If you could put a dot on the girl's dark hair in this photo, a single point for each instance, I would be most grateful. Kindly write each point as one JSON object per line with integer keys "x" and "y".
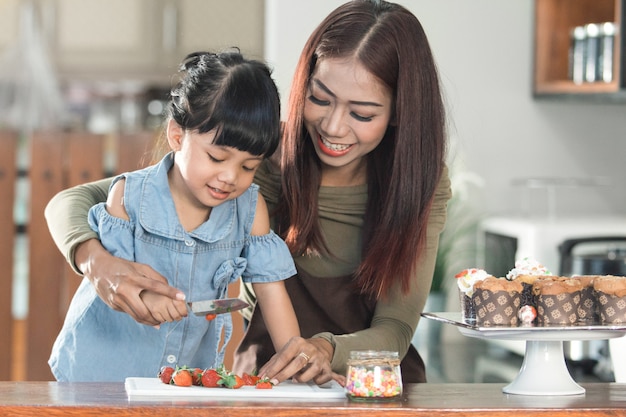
{"x": 403, "y": 171}
{"x": 234, "y": 95}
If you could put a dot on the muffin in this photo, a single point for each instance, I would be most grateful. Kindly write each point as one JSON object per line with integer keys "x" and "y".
{"x": 527, "y": 271}
{"x": 465, "y": 281}
{"x": 558, "y": 299}
{"x": 497, "y": 301}
{"x": 611, "y": 298}
{"x": 588, "y": 311}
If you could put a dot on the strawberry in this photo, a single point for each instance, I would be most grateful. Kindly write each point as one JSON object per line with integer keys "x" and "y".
{"x": 210, "y": 378}
{"x": 165, "y": 374}
{"x": 210, "y": 317}
{"x": 264, "y": 384}
{"x": 249, "y": 379}
{"x": 232, "y": 381}
{"x": 238, "y": 382}
{"x": 196, "y": 376}
{"x": 182, "y": 377}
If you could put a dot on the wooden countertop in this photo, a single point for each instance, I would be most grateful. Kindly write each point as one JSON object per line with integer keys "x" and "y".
{"x": 433, "y": 400}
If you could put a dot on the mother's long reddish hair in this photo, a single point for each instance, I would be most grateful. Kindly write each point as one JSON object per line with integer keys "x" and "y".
{"x": 403, "y": 171}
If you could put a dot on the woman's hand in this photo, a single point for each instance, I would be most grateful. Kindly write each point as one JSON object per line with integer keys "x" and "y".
{"x": 302, "y": 360}
{"x": 119, "y": 282}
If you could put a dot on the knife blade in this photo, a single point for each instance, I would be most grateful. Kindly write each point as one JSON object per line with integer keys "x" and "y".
{"x": 219, "y": 306}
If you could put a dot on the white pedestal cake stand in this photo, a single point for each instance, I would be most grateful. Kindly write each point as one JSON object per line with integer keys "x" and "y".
{"x": 543, "y": 371}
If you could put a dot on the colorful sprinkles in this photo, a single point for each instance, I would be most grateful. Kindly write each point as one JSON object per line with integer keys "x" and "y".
{"x": 373, "y": 378}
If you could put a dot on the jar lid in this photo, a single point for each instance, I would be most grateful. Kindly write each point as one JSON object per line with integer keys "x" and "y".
{"x": 592, "y": 29}
{"x": 578, "y": 33}
{"x": 608, "y": 28}
{"x": 373, "y": 354}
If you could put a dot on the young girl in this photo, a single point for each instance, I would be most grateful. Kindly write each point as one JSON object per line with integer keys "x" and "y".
{"x": 197, "y": 219}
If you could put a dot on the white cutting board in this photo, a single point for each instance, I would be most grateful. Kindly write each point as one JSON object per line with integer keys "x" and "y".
{"x": 149, "y": 389}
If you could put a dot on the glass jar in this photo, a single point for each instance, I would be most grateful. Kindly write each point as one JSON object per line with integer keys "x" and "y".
{"x": 373, "y": 376}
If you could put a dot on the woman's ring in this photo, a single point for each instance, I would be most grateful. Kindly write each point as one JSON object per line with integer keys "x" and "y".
{"x": 304, "y": 356}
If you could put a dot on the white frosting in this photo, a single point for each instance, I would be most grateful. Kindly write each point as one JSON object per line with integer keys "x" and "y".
{"x": 527, "y": 266}
{"x": 466, "y": 279}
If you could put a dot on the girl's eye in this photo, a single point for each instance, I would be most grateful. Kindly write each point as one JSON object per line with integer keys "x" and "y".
{"x": 360, "y": 118}
{"x": 214, "y": 159}
{"x": 317, "y": 101}
{"x": 251, "y": 168}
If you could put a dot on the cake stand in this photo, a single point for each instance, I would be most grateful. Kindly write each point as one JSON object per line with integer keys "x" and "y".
{"x": 543, "y": 370}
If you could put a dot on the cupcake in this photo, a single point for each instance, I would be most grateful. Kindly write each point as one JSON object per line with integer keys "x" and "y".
{"x": 588, "y": 308}
{"x": 527, "y": 271}
{"x": 611, "y": 298}
{"x": 497, "y": 301}
{"x": 558, "y": 299}
{"x": 465, "y": 281}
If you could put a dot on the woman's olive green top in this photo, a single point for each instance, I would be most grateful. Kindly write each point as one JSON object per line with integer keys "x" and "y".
{"x": 341, "y": 211}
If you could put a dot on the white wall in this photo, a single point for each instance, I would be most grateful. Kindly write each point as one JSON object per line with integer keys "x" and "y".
{"x": 498, "y": 130}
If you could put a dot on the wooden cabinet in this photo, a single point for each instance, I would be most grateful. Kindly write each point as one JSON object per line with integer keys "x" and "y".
{"x": 148, "y": 38}
{"x": 135, "y": 39}
{"x": 110, "y": 39}
{"x": 555, "y": 21}
{"x": 9, "y": 23}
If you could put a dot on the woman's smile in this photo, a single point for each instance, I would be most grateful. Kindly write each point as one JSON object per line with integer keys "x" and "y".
{"x": 333, "y": 149}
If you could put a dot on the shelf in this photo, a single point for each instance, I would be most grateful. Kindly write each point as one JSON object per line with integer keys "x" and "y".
{"x": 554, "y": 22}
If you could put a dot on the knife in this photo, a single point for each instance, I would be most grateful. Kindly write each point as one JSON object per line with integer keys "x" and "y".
{"x": 220, "y": 306}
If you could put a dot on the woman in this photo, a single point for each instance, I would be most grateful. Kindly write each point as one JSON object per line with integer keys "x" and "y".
{"x": 358, "y": 192}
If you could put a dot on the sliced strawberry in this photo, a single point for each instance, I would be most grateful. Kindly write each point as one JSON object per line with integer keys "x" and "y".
{"x": 249, "y": 379}
{"x": 210, "y": 317}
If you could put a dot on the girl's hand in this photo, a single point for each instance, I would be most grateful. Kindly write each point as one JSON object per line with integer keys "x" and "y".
{"x": 302, "y": 360}
{"x": 163, "y": 308}
{"x": 119, "y": 283}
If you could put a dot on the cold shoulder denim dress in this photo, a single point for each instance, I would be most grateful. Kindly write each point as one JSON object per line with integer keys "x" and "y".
{"x": 98, "y": 343}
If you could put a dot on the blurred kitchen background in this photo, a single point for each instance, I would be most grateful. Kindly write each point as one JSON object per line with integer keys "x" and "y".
{"x": 82, "y": 88}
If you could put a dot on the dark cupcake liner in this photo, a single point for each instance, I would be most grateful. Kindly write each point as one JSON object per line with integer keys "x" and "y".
{"x": 527, "y": 296}
{"x": 588, "y": 310}
{"x": 558, "y": 309}
{"x": 468, "y": 311}
{"x": 498, "y": 308}
{"x": 612, "y": 308}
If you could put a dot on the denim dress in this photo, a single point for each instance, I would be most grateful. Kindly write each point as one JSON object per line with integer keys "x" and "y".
{"x": 98, "y": 343}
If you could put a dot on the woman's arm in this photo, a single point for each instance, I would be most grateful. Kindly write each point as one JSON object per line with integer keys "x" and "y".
{"x": 118, "y": 282}
{"x": 395, "y": 318}
{"x": 66, "y": 214}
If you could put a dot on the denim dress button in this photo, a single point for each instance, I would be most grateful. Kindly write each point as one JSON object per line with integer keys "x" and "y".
{"x": 171, "y": 359}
